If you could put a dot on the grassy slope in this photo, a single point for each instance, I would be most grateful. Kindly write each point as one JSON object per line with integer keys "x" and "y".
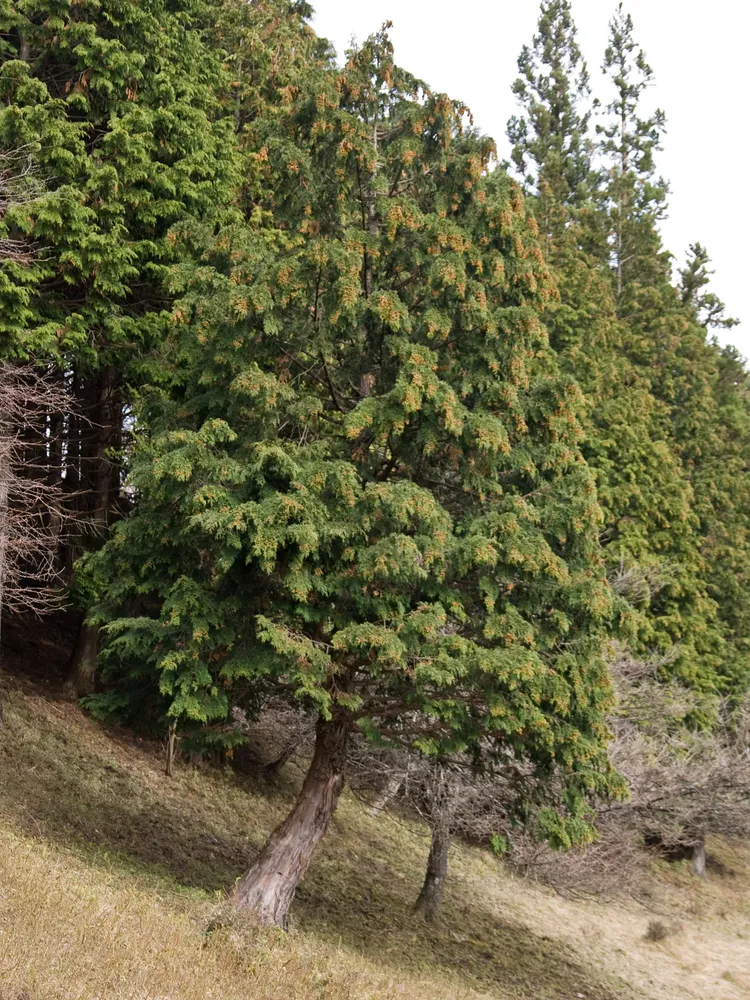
{"x": 110, "y": 874}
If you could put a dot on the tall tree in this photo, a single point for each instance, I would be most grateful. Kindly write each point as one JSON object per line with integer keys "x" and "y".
{"x": 635, "y": 197}
{"x": 640, "y": 479}
{"x": 665, "y": 338}
{"x": 368, "y": 493}
{"x": 551, "y": 149}
{"x": 118, "y": 100}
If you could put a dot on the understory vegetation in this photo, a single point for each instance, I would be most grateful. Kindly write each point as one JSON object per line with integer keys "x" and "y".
{"x": 374, "y": 524}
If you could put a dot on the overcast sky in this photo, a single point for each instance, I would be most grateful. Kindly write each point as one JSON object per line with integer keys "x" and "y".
{"x": 698, "y": 51}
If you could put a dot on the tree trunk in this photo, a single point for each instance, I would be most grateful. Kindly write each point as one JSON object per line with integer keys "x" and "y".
{"x": 431, "y": 895}
{"x": 267, "y": 889}
{"x": 102, "y": 395}
{"x": 272, "y": 768}
{"x": 441, "y": 796}
{"x": 108, "y": 436}
{"x": 82, "y": 665}
{"x": 699, "y": 859}
{"x": 387, "y": 795}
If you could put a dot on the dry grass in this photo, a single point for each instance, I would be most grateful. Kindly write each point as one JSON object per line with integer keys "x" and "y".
{"x": 110, "y": 874}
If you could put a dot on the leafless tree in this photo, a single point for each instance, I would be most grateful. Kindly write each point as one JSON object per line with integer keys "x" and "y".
{"x": 687, "y": 782}
{"x": 32, "y": 501}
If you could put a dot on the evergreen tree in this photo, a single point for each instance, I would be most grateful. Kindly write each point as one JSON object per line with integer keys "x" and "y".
{"x": 635, "y": 198}
{"x": 641, "y": 484}
{"x": 117, "y": 100}
{"x": 551, "y": 149}
{"x": 707, "y": 306}
{"x": 665, "y": 341}
{"x": 366, "y": 490}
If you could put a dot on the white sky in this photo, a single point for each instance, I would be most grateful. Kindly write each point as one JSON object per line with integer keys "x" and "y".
{"x": 698, "y": 52}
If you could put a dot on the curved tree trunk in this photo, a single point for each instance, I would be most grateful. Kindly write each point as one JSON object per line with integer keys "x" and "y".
{"x": 82, "y": 665}
{"x": 265, "y": 892}
{"x": 431, "y": 895}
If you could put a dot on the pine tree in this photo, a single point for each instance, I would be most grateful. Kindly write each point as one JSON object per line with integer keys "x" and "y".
{"x": 366, "y": 491}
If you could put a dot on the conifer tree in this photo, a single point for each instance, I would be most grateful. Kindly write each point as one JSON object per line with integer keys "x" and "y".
{"x": 708, "y": 308}
{"x": 635, "y": 196}
{"x": 640, "y": 480}
{"x": 551, "y": 149}
{"x": 665, "y": 342}
{"x": 366, "y": 492}
{"x": 118, "y": 102}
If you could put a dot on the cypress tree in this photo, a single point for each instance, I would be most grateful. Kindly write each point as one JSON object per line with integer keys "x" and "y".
{"x": 640, "y": 480}
{"x": 667, "y": 345}
{"x": 707, "y": 307}
{"x": 551, "y": 149}
{"x": 117, "y": 99}
{"x": 366, "y": 491}
{"x": 635, "y": 197}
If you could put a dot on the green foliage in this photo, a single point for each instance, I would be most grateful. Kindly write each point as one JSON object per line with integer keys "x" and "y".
{"x": 397, "y": 425}
{"x": 654, "y": 415}
{"x": 116, "y": 101}
{"x": 549, "y": 137}
{"x": 365, "y": 489}
{"x": 633, "y": 197}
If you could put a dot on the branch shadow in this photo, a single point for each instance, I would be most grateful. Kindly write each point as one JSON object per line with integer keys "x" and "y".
{"x": 103, "y": 793}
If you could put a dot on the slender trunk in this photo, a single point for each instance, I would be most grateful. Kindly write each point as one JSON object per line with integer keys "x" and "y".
{"x": 272, "y": 768}
{"x": 170, "y": 749}
{"x": 433, "y": 887}
{"x": 442, "y": 803}
{"x": 699, "y": 859}
{"x": 621, "y": 198}
{"x": 267, "y": 889}
{"x": 387, "y": 795}
{"x": 82, "y": 664}
{"x": 106, "y": 438}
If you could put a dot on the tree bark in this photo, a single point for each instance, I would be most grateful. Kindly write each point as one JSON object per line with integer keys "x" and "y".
{"x": 431, "y": 894}
{"x": 442, "y": 805}
{"x": 387, "y": 795}
{"x": 82, "y": 665}
{"x": 266, "y": 891}
{"x": 272, "y": 768}
{"x": 97, "y": 474}
{"x": 699, "y": 859}
{"x": 170, "y": 749}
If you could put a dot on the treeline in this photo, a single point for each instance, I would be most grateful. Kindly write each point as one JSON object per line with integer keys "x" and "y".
{"x": 348, "y": 418}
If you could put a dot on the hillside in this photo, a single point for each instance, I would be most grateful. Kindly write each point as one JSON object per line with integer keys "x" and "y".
{"x": 112, "y": 880}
